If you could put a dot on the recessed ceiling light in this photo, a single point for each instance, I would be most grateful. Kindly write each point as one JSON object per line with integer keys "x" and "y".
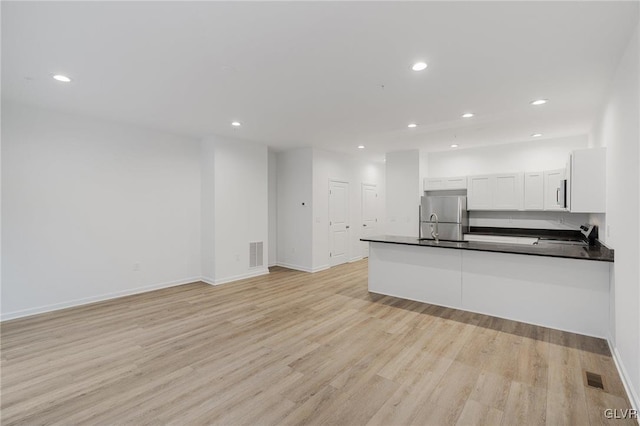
{"x": 412, "y": 125}
{"x": 62, "y": 78}
{"x": 468, "y": 115}
{"x": 235, "y": 123}
{"x": 360, "y": 146}
{"x": 539, "y": 102}
{"x": 454, "y": 145}
{"x": 536, "y": 135}
{"x": 419, "y": 66}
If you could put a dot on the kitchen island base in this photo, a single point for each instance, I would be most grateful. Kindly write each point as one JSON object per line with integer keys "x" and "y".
{"x": 565, "y": 294}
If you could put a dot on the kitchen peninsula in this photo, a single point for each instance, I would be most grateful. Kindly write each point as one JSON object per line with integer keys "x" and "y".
{"x": 562, "y": 286}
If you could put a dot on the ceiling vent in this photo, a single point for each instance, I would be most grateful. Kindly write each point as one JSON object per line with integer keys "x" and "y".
{"x": 255, "y": 254}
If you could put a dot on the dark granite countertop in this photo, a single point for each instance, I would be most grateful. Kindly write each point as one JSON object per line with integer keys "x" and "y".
{"x": 598, "y": 252}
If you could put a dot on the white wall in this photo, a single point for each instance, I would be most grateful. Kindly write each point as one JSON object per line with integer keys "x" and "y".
{"x": 240, "y": 216}
{"x": 207, "y": 194}
{"x": 530, "y": 156}
{"x": 617, "y": 129}
{"x": 403, "y": 188}
{"x": 273, "y": 206}
{"x": 294, "y": 220}
{"x": 85, "y": 200}
{"x": 328, "y": 166}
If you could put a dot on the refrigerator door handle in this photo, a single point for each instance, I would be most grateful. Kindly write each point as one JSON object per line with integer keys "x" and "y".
{"x": 420, "y": 221}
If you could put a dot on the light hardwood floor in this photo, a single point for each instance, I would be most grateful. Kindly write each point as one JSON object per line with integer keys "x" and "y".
{"x": 296, "y": 348}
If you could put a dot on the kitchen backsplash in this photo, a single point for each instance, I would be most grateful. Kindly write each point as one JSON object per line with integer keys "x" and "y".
{"x": 534, "y": 220}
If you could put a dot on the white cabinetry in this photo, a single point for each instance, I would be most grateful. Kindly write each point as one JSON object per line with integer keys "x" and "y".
{"x": 495, "y": 192}
{"x": 552, "y": 193}
{"x": 435, "y": 184}
{"x": 480, "y": 192}
{"x": 588, "y": 180}
{"x": 508, "y": 192}
{"x": 583, "y": 191}
{"x": 533, "y": 191}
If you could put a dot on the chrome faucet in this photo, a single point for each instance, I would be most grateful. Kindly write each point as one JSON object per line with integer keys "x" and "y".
{"x": 434, "y": 233}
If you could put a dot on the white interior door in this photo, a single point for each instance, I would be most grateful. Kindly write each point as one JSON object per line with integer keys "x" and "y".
{"x": 338, "y": 222}
{"x": 369, "y": 219}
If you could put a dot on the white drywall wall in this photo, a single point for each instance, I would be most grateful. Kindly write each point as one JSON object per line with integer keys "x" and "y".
{"x": 273, "y": 207}
{"x": 294, "y": 209}
{"x": 403, "y": 188}
{"x": 617, "y": 129}
{"x": 85, "y": 202}
{"x": 240, "y": 181}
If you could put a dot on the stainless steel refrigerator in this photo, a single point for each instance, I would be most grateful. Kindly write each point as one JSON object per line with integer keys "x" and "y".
{"x": 444, "y": 215}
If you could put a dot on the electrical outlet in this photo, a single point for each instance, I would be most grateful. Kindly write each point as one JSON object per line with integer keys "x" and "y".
{"x": 136, "y": 266}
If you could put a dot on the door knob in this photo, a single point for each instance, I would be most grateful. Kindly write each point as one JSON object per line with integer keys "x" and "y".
{"x": 347, "y": 226}
{"x": 364, "y": 224}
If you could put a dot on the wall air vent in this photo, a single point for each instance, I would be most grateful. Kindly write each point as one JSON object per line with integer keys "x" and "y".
{"x": 255, "y": 254}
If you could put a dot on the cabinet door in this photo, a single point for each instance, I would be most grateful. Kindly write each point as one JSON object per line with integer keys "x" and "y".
{"x": 431, "y": 184}
{"x": 552, "y": 180}
{"x": 508, "y": 192}
{"x": 459, "y": 182}
{"x": 480, "y": 192}
{"x": 588, "y": 180}
{"x": 533, "y": 191}
{"x": 435, "y": 184}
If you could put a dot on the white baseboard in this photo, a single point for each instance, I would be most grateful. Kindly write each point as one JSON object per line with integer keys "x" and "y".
{"x": 355, "y": 259}
{"x": 303, "y": 268}
{"x": 208, "y": 280}
{"x": 626, "y": 381}
{"x": 5, "y": 316}
{"x": 320, "y": 268}
{"x": 293, "y": 266}
{"x": 256, "y": 273}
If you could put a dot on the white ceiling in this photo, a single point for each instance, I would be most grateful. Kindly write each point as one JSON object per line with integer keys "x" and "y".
{"x": 327, "y": 74}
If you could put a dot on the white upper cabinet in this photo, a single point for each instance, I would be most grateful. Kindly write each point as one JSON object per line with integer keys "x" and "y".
{"x": 435, "y": 184}
{"x": 508, "y": 192}
{"x": 495, "y": 192}
{"x": 533, "y": 191}
{"x": 553, "y": 191}
{"x": 588, "y": 167}
{"x": 480, "y": 192}
{"x": 579, "y": 188}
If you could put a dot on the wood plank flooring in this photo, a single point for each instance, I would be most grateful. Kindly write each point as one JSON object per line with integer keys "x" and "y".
{"x": 295, "y": 348}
